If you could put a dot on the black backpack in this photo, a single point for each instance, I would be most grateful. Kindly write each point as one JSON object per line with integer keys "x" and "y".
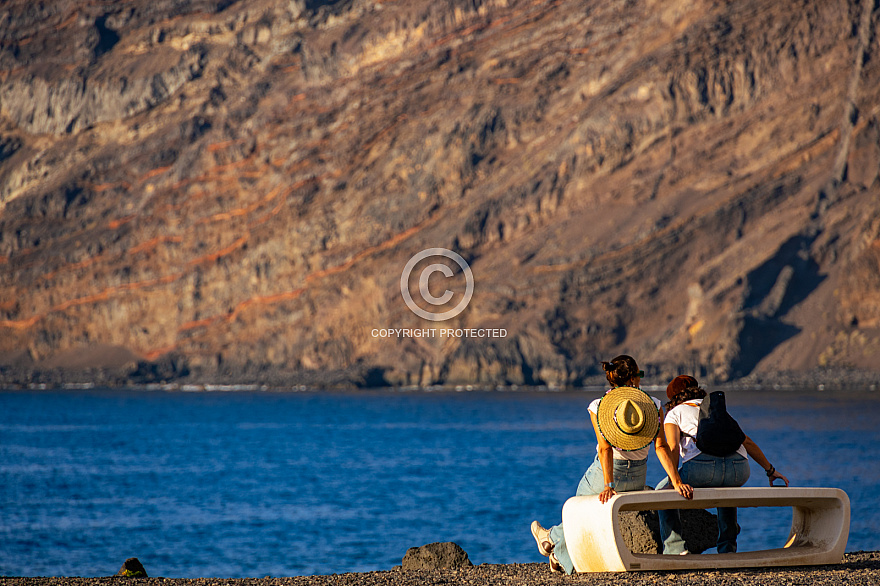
{"x": 718, "y": 434}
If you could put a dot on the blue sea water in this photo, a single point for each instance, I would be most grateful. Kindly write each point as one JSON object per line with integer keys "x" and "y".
{"x": 254, "y": 484}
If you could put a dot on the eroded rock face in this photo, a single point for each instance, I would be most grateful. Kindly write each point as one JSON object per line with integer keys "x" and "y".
{"x": 239, "y": 185}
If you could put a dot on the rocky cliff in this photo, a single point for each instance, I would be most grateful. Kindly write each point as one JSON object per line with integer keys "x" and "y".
{"x": 233, "y": 188}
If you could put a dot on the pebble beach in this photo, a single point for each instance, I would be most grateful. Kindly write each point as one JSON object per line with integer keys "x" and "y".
{"x": 856, "y": 569}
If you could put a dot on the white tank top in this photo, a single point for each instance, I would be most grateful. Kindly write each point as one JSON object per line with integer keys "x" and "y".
{"x": 686, "y": 417}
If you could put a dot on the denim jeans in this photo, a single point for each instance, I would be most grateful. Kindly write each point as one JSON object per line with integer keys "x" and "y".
{"x": 628, "y": 475}
{"x": 705, "y": 471}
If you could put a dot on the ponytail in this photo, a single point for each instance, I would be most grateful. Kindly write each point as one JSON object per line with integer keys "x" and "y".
{"x": 621, "y": 370}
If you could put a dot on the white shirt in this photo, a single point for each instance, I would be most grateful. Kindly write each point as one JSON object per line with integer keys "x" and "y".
{"x": 686, "y": 417}
{"x": 625, "y": 454}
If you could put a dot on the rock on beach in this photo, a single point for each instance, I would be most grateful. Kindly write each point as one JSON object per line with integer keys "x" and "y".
{"x": 132, "y": 568}
{"x": 436, "y": 556}
{"x": 857, "y": 569}
{"x": 641, "y": 530}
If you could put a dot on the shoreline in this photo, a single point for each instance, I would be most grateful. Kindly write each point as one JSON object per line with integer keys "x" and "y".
{"x": 169, "y": 374}
{"x": 856, "y": 569}
{"x": 814, "y": 386}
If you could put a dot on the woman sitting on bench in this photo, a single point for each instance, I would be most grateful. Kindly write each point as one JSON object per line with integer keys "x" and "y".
{"x": 700, "y": 469}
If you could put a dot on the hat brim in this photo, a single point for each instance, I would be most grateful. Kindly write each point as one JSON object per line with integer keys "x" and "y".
{"x": 611, "y": 431}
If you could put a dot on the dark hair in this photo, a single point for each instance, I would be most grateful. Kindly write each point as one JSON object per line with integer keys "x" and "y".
{"x": 686, "y": 395}
{"x": 621, "y": 370}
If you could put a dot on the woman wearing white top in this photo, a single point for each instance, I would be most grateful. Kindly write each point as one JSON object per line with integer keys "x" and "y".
{"x": 614, "y": 469}
{"x": 703, "y": 470}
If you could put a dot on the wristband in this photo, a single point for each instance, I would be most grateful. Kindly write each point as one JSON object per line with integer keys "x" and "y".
{"x": 771, "y": 471}
{"x": 609, "y": 485}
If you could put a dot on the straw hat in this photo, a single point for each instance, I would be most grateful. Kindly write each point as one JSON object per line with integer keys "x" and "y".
{"x": 628, "y": 418}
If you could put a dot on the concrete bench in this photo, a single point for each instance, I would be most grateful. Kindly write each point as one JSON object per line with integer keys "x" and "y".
{"x": 819, "y": 528}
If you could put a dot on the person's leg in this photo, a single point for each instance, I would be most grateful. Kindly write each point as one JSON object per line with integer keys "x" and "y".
{"x": 670, "y": 525}
{"x": 736, "y": 473}
{"x": 728, "y": 529}
{"x": 560, "y": 549}
{"x": 592, "y": 478}
{"x": 664, "y": 484}
{"x": 698, "y": 472}
{"x": 627, "y": 476}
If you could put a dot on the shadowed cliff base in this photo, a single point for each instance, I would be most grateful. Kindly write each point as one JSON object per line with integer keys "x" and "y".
{"x": 229, "y": 191}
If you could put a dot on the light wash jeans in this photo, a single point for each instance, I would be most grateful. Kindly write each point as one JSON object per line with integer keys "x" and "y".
{"x": 705, "y": 471}
{"x": 628, "y": 475}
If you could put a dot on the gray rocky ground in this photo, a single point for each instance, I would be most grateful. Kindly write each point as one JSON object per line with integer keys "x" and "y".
{"x": 857, "y": 569}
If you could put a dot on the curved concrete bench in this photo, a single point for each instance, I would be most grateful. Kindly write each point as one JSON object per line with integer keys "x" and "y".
{"x": 819, "y": 528}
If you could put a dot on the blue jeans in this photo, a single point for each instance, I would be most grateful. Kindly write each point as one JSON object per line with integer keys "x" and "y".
{"x": 628, "y": 475}
{"x": 705, "y": 471}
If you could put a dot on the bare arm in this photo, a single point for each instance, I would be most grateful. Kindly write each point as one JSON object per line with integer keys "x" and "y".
{"x": 758, "y": 456}
{"x": 673, "y": 438}
{"x": 606, "y": 459}
{"x": 667, "y": 453}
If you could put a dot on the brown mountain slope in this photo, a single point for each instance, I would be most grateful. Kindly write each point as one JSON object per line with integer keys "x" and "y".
{"x": 237, "y": 185}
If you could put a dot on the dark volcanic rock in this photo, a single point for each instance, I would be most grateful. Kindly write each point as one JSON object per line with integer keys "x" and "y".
{"x": 699, "y": 529}
{"x": 435, "y": 556}
{"x": 641, "y": 530}
{"x": 167, "y": 368}
{"x": 240, "y": 184}
{"x": 132, "y": 568}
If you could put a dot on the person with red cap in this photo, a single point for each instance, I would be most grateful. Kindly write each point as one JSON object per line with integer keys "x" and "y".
{"x": 702, "y": 470}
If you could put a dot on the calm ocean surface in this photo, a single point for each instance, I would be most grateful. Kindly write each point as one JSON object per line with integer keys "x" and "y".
{"x": 256, "y": 484}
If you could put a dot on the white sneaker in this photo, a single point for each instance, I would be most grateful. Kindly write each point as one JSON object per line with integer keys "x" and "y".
{"x": 542, "y": 537}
